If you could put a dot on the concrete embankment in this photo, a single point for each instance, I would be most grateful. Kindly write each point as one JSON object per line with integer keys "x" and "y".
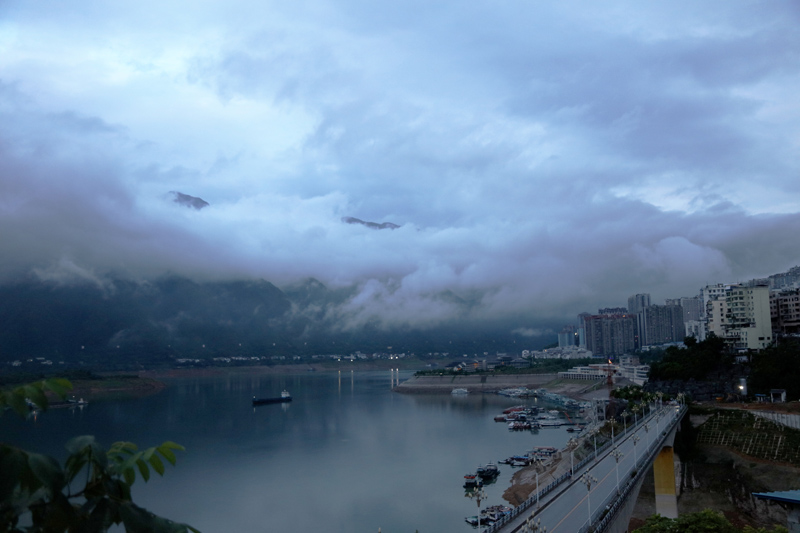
{"x": 474, "y": 383}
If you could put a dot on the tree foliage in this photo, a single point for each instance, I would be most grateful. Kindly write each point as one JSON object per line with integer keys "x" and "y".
{"x": 695, "y": 361}
{"x": 777, "y": 367}
{"x": 706, "y": 521}
{"x": 89, "y": 493}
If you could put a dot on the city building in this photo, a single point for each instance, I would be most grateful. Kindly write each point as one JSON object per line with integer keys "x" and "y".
{"x": 785, "y": 311}
{"x": 661, "y": 324}
{"x": 609, "y": 335}
{"x": 637, "y": 302}
{"x": 568, "y": 336}
{"x": 741, "y": 315}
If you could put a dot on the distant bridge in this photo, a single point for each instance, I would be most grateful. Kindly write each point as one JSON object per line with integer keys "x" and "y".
{"x": 601, "y": 492}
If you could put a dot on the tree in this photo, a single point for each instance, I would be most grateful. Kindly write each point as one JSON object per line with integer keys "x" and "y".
{"x": 38, "y": 488}
{"x": 706, "y": 521}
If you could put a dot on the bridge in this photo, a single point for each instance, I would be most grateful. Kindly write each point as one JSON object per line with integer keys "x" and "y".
{"x": 599, "y": 493}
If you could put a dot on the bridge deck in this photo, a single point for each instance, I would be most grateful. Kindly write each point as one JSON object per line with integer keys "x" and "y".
{"x": 596, "y": 490}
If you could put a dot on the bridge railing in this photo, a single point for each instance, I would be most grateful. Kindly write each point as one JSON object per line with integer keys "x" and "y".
{"x": 524, "y": 506}
{"x": 617, "y": 502}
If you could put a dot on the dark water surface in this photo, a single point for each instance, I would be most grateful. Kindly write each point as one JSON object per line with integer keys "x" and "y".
{"x": 347, "y": 455}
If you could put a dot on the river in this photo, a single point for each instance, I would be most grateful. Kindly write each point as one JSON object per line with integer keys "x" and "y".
{"x": 347, "y": 455}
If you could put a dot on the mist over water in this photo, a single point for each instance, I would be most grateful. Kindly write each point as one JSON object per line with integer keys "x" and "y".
{"x": 347, "y": 455}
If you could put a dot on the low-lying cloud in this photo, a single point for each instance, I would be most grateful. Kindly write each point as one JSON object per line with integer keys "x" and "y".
{"x": 538, "y": 162}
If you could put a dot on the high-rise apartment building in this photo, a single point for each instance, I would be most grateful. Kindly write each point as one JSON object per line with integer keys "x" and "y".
{"x": 610, "y": 335}
{"x": 637, "y": 302}
{"x": 785, "y": 310}
{"x": 567, "y": 337}
{"x": 661, "y": 324}
{"x": 741, "y": 315}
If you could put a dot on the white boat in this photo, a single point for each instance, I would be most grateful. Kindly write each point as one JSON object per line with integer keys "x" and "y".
{"x": 459, "y": 391}
{"x": 549, "y": 423}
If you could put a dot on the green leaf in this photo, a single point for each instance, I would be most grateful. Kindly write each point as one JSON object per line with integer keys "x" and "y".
{"x": 156, "y": 463}
{"x": 173, "y": 446}
{"x": 47, "y": 470}
{"x": 35, "y": 394}
{"x": 123, "y": 447}
{"x": 12, "y": 463}
{"x": 16, "y": 400}
{"x": 130, "y": 475}
{"x": 143, "y": 469}
{"x": 168, "y": 455}
{"x": 60, "y": 386}
{"x": 77, "y": 444}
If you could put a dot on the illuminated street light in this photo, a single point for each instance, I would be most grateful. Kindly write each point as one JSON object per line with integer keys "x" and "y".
{"x": 533, "y": 526}
{"x": 588, "y": 480}
{"x": 617, "y": 455}
{"x": 477, "y": 494}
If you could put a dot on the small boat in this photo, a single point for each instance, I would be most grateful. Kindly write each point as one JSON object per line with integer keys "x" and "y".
{"x": 284, "y": 397}
{"x": 550, "y": 423}
{"x": 459, "y": 391}
{"x": 472, "y": 481}
{"x": 490, "y": 471}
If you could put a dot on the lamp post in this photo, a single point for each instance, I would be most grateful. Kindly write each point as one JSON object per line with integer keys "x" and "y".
{"x": 625, "y": 415}
{"x": 533, "y": 526}
{"x": 617, "y": 455}
{"x": 477, "y": 494}
{"x": 647, "y": 431}
{"x": 635, "y": 455}
{"x": 588, "y": 479}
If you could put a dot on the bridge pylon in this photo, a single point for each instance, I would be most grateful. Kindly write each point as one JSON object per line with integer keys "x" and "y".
{"x": 664, "y": 474}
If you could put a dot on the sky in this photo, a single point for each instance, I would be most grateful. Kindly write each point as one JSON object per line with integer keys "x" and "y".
{"x": 541, "y": 158}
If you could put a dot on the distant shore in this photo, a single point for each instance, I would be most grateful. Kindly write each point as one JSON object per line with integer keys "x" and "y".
{"x": 495, "y": 382}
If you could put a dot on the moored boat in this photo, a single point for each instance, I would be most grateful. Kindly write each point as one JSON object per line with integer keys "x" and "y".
{"x": 490, "y": 471}
{"x": 472, "y": 481}
{"x": 284, "y": 397}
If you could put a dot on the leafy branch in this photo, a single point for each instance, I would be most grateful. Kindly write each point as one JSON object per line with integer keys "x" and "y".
{"x": 37, "y": 485}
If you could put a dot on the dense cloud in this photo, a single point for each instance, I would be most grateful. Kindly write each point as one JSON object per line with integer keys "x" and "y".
{"x": 541, "y": 160}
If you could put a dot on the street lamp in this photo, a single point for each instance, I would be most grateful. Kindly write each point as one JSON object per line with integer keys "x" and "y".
{"x": 617, "y": 455}
{"x": 533, "y": 526}
{"x": 477, "y": 494}
{"x": 635, "y": 455}
{"x": 588, "y": 479}
{"x": 625, "y": 415}
{"x": 647, "y": 431}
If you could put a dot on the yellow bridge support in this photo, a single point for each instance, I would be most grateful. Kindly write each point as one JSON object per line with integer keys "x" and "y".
{"x": 664, "y": 473}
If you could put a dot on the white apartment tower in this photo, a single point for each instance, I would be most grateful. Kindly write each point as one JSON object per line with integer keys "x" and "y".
{"x": 741, "y": 315}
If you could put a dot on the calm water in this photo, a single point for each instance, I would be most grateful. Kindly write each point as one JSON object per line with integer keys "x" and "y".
{"x": 347, "y": 455}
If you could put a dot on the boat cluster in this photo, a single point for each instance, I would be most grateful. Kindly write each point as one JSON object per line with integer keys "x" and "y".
{"x": 521, "y": 417}
{"x": 484, "y": 474}
{"x": 519, "y": 392}
{"x": 489, "y": 516}
{"x": 538, "y": 454}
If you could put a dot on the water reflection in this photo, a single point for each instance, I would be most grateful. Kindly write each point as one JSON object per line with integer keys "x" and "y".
{"x": 331, "y": 460}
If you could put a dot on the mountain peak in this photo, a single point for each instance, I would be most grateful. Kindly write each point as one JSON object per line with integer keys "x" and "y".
{"x": 188, "y": 201}
{"x": 372, "y": 225}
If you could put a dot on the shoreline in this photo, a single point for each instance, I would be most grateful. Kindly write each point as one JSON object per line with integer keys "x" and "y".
{"x": 478, "y": 384}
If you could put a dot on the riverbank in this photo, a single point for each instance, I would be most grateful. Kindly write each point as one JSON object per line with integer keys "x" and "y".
{"x": 112, "y": 386}
{"x": 488, "y": 383}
